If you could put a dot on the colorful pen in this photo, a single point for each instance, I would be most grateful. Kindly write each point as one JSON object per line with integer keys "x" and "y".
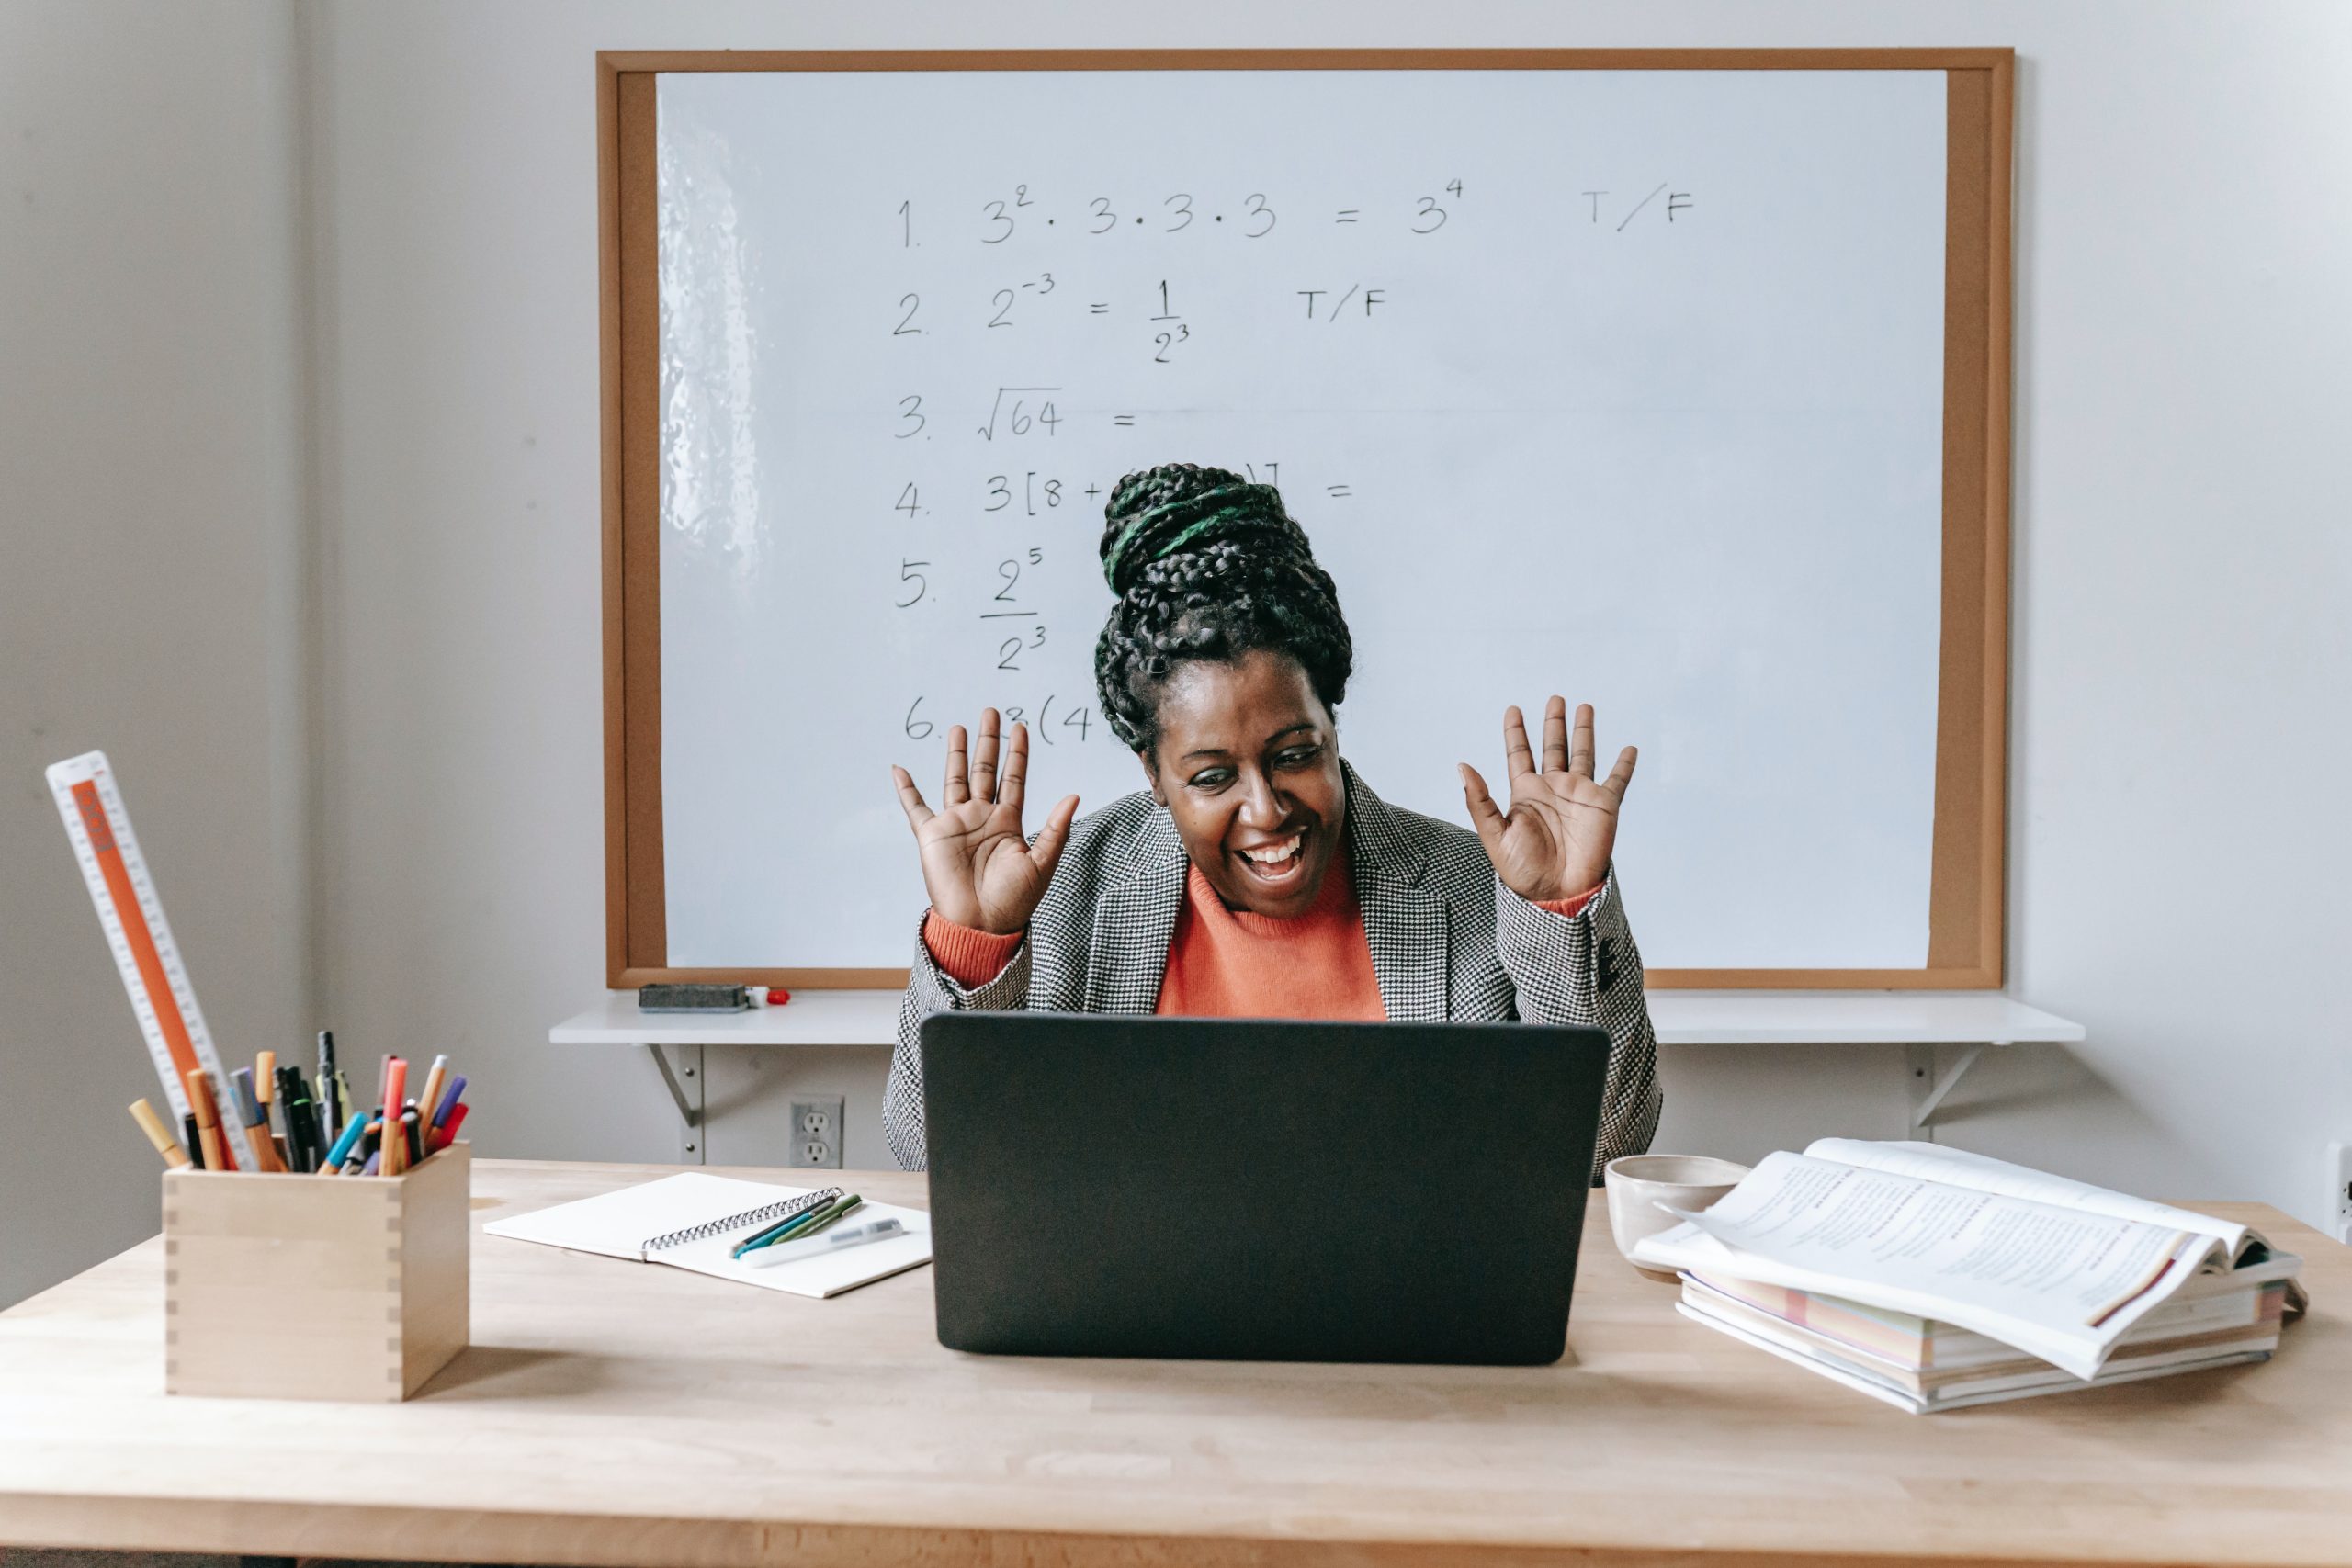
{"x": 393, "y": 1146}
{"x": 804, "y": 1226}
{"x": 817, "y": 1203}
{"x": 344, "y": 1145}
{"x": 257, "y": 1121}
{"x": 364, "y": 1152}
{"x": 448, "y": 1132}
{"x": 449, "y": 1098}
{"x": 189, "y": 1140}
{"x": 430, "y": 1096}
{"x": 207, "y": 1119}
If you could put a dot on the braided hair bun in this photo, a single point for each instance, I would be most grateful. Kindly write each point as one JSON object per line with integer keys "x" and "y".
{"x": 1207, "y": 565}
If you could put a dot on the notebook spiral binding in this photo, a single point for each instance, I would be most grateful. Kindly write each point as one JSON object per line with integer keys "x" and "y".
{"x": 767, "y": 1214}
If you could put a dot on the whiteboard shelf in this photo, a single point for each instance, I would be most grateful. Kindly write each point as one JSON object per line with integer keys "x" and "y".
{"x": 1917, "y": 1020}
{"x": 1681, "y": 1018}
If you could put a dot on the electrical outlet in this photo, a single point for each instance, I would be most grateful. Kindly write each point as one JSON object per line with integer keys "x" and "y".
{"x": 816, "y": 1132}
{"x": 2339, "y": 1189}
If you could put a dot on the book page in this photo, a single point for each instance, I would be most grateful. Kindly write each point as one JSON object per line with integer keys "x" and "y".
{"x": 1958, "y": 1167}
{"x": 2061, "y": 1284}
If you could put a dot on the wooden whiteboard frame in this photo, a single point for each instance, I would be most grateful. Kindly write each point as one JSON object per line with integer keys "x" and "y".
{"x": 1967, "y": 882}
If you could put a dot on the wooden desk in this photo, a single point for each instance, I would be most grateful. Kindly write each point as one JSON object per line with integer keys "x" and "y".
{"x": 614, "y": 1413}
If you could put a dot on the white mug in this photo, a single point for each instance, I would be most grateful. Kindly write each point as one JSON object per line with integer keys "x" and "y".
{"x": 1639, "y": 1184}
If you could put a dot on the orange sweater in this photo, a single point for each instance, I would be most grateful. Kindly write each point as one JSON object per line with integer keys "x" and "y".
{"x": 1230, "y": 962}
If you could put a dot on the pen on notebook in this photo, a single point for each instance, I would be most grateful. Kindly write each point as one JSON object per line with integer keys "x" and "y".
{"x": 796, "y": 1225}
{"x": 824, "y": 1197}
{"x": 803, "y": 1224}
{"x": 826, "y": 1246}
{"x": 839, "y": 1212}
{"x": 157, "y": 1134}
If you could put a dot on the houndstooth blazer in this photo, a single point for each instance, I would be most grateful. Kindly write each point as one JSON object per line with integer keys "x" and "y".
{"x": 1449, "y": 941}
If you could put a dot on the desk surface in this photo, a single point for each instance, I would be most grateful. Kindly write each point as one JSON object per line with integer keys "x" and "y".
{"x": 616, "y": 1413}
{"x": 1681, "y": 1018}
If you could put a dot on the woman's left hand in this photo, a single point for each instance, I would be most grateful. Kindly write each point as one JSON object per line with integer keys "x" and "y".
{"x": 1554, "y": 841}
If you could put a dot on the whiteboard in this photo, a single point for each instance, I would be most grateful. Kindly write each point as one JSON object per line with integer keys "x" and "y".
{"x": 1624, "y": 385}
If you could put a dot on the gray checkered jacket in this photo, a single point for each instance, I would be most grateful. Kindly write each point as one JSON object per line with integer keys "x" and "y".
{"x": 1449, "y": 941}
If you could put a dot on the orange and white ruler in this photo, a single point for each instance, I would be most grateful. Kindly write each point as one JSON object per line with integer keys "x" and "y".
{"x": 133, "y": 918}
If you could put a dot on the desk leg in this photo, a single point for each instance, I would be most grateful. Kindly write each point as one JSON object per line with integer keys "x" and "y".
{"x": 685, "y": 1090}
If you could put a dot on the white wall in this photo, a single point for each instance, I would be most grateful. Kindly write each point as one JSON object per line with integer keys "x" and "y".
{"x": 2180, "y": 586}
{"x": 151, "y": 568}
{"x": 2184, "y": 360}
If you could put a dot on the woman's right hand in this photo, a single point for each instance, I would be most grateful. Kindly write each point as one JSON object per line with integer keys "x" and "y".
{"x": 977, "y": 865}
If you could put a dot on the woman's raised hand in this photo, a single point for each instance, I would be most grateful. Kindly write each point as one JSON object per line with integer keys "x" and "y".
{"x": 979, "y": 866}
{"x": 1554, "y": 841}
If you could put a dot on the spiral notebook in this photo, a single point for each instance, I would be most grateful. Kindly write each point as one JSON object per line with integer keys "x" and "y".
{"x": 692, "y": 1221}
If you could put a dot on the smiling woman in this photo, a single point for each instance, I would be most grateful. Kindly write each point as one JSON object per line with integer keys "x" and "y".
{"x": 1259, "y": 877}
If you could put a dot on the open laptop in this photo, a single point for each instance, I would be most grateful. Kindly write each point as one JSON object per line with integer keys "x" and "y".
{"x": 1256, "y": 1191}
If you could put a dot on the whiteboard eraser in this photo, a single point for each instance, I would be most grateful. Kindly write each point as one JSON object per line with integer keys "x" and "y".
{"x": 693, "y": 999}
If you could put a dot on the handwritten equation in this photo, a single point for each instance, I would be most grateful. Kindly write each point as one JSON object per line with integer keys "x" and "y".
{"x": 993, "y": 478}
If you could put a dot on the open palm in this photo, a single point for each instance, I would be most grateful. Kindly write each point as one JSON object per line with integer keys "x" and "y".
{"x": 978, "y": 864}
{"x": 1555, "y": 840}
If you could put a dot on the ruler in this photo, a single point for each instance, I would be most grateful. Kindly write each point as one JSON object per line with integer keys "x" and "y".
{"x": 136, "y": 930}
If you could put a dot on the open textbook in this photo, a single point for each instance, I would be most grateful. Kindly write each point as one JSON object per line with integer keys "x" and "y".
{"x": 2058, "y": 1269}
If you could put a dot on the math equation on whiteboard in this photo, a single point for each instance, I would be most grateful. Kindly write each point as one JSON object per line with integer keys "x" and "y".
{"x": 995, "y": 509}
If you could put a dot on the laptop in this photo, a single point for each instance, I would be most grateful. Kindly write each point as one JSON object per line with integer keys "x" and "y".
{"x": 1244, "y": 1190}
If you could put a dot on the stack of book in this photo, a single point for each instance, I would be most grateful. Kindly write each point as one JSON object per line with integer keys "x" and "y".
{"x": 1933, "y": 1280}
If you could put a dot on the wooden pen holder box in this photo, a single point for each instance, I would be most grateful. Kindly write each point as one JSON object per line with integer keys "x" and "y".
{"x": 316, "y": 1287}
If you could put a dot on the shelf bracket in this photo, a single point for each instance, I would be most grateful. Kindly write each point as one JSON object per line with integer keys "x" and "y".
{"x": 685, "y": 1085}
{"x": 1923, "y": 1062}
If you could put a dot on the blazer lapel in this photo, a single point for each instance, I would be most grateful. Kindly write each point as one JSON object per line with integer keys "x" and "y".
{"x": 1135, "y": 919}
{"x": 1406, "y": 924}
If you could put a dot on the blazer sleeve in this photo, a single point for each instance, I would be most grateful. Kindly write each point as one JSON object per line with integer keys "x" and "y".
{"x": 932, "y": 990}
{"x": 1586, "y": 970}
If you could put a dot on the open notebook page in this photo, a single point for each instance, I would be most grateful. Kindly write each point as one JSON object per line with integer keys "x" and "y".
{"x": 619, "y": 1223}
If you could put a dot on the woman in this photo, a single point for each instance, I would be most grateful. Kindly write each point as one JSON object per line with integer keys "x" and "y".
{"x": 1259, "y": 877}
